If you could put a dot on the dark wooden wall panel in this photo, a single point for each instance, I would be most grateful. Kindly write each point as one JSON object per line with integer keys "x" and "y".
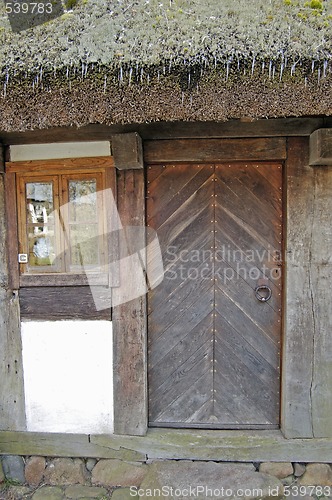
{"x": 61, "y": 302}
{"x": 214, "y": 150}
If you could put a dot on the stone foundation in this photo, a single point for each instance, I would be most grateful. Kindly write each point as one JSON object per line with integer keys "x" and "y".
{"x": 40, "y": 478}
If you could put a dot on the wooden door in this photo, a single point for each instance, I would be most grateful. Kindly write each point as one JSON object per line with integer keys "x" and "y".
{"x": 214, "y": 347}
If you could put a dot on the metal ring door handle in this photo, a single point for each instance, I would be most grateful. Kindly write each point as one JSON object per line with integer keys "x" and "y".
{"x": 267, "y": 293}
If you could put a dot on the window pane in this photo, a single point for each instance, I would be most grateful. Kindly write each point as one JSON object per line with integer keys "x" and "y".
{"x": 41, "y": 246}
{"x": 83, "y": 201}
{"x": 39, "y": 197}
{"x": 84, "y": 245}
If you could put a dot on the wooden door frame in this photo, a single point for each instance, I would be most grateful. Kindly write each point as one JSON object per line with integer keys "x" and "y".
{"x": 129, "y": 320}
{"x": 178, "y": 396}
{"x": 305, "y": 411}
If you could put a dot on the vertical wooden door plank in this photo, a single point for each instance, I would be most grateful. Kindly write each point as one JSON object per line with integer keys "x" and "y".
{"x": 180, "y": 320}
{"x": 299, "y": 321}
{"x": 248, "y": 331}
{"x": 12, "y": 407}
{"x": 129, "y": 322}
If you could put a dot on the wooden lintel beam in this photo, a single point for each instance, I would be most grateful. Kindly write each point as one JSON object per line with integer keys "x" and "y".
{"x": 127, "y": 151}
{"x": 215, "y": 150}
{"x": 321, "y": 147}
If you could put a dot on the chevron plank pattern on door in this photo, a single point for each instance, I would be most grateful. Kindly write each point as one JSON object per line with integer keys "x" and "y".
{"x": 214, "y": 349}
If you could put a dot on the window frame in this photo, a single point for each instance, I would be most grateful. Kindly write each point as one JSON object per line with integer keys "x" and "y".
{"x": 18, "y": 172}
{"x": 23, "y": 225}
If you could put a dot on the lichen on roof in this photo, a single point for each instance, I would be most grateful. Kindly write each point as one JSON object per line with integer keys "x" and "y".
{"x": 150, "y": 33}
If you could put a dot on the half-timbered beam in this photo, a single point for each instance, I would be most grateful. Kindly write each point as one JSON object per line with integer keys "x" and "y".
{"x": 127, "y": 151}
{"x": 306, "y": 367}
{"x": 129, "y": 320}
{"x": 12, "y": 408}
{"x": 321, "y": 147}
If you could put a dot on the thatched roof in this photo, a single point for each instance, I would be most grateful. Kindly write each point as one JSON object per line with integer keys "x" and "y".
{"x": 147, "y": 60}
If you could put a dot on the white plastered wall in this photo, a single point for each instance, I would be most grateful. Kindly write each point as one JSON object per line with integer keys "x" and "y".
{"x": 27, "y": 152}
{"x": 68, "y": 376}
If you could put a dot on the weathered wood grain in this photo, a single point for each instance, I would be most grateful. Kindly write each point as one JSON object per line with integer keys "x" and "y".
{"x": 299, "y": 320}
{"x": 259, "y": 406}
{"x": 248, "y": 206}
{"x": 214, "y": 150}
{"x": 112, "y": 226}
{"x": 127, "y": 150}
{"x": 63, "y": 279}
{"x": 129, "y": 321}
{"x": 191, "y": 366}
{"x": 185, "y": 184}
{"x": 307, "y": 386}
{"x": 320, "y": 281}
{"x": 246, "y": 446}
{"x": 63, "y": 302}
{"x": 320, "y": 147}
{"x": 2, "y": 158}
{"x": 40, "y": 166}
{"x": 12, "y": 231}
{"x": 180, "y": 380}
{"x": 64, "y": 445}
{"x": 278, "y": 127}
{"x": 12, "y": 407}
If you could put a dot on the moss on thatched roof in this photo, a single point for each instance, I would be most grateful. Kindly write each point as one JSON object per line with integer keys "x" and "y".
{"x": 180, "y": 32}
{"x": 134, "y": 61}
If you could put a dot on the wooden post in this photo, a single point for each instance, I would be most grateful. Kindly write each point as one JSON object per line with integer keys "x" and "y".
{"x": 12, "y": 407}
{"x": 127, "y": 150}
{"x": 307, "y": 352}
{"x": 129, "y": 322}
{"x": 2, "y": 159}
{"x": 321, "y": 279}
{"x": 297, "y": 366}
{"x": 321, "y": 147}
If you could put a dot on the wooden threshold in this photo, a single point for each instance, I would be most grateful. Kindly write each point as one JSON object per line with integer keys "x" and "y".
{"x": 167, "y": 444}
{"x": 209, "y": 426}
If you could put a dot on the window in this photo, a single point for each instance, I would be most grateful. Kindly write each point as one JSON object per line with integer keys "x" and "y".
{"x": 62, "y": 224}
{"x": 61, "y": 227}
